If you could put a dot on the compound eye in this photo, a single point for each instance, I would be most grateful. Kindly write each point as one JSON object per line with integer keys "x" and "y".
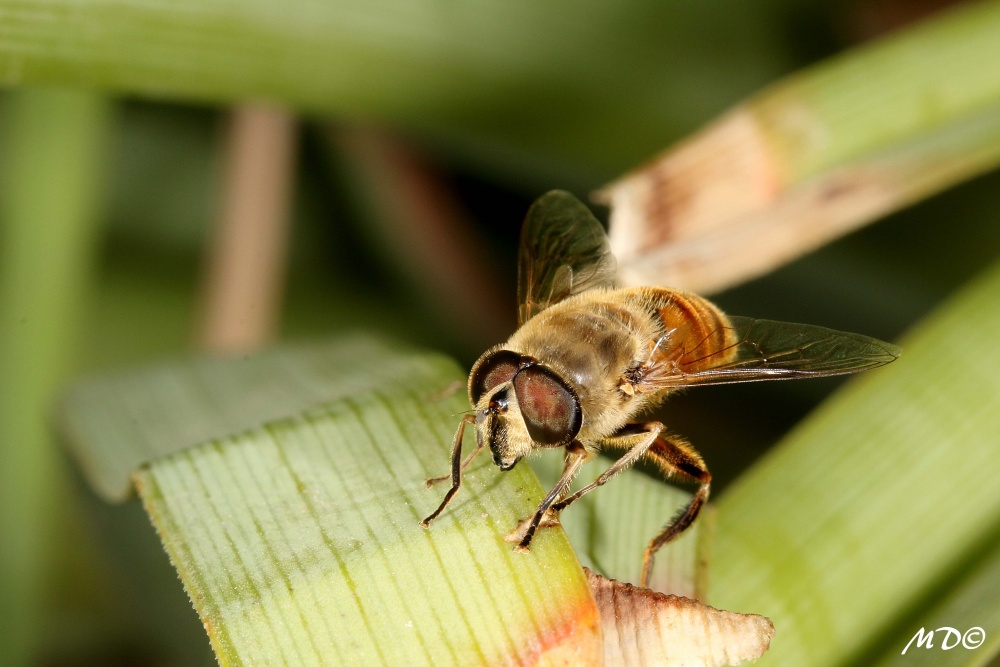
{"x": 492, "y": 370}
{"x": 551, "y": 410}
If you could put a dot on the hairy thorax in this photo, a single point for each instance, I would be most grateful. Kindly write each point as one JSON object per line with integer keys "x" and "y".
{"x": 593, "y": 339}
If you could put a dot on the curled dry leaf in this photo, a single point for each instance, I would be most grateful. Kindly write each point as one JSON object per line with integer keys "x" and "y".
{"x": 645, "y": 628}
{"x": 721, "y": 208}
{"x": 810, "y": 159}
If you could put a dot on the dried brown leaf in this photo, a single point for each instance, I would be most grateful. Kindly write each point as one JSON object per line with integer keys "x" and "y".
{"x": 814, "y": 156}
{"x": 645, "y": 628}
{"x": 718, "y": 210}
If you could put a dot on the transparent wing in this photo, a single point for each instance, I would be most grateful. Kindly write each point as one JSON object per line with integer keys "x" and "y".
{"x": 564, "y": 251}
{"x": 763, "y": 350}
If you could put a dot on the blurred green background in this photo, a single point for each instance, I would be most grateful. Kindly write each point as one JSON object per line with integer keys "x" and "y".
{"x": 109, "y": 187}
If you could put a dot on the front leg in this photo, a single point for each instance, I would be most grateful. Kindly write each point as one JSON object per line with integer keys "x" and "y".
{"x": 637, "y": 445}
{"x": 576, "y": 456}
{"x": 456, "y": 468}
{"x": 468, "y": 419}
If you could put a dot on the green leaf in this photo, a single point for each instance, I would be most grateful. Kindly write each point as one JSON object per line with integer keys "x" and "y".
{"x": 173, "y": 406}
{"x": 298, "y": 539}
{"x": 969, "y": 604}
{"x": 848, "y": 533}
{"x": 542, "y": 74}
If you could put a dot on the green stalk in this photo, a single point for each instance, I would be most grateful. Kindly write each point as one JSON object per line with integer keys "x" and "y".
{"x": 53, "y": 142}
{"x": 404, "y": 59}
{"x": 887, "y": 94}
{"x": 862, "y": 523}
{"x": 967, "y": 604}
{"x": 564, "y": 80}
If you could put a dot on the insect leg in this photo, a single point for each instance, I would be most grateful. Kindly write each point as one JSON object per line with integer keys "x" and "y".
{"x": 575, "y": 457}
{"x": 675, "y": 457}
{"x": 431, "y": 481}
{"x": 636, "y": 443}
{"x": 456, "y": 467}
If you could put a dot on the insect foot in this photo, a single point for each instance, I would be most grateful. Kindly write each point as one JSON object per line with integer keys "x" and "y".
{"x": 518, "y": 534}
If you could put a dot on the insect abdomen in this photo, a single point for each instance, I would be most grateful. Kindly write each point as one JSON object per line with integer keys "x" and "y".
{"x": 698, "y": 324}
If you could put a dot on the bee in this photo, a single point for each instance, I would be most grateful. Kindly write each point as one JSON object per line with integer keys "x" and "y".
{"x": 589, "y": 358}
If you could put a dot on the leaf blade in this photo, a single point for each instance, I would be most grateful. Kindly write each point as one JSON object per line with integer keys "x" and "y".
{"x": 176, "y": 405}
{"x": 299, "y": 541}
{"x": 869, "y": 480}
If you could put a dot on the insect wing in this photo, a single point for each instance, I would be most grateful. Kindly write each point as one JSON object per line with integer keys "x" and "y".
{"x": 755, "y": 350}
{"x": 564, "y": 251}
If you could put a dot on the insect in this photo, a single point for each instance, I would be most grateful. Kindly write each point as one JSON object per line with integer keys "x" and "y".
{"x": 589, "y": 358}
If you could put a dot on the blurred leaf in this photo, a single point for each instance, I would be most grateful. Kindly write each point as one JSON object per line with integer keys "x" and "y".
{"x": 847, "y": 534}
{"x": 531, "y": 84}
{"x": 52, "y": 150}
{"x": 968, "y": 604}
{"x": 814, "y": 156}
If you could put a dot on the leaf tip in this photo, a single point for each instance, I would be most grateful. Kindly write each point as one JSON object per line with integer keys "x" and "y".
{"x": 645, "y": 627}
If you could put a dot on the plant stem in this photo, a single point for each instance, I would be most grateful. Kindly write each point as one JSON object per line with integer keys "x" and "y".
{"x": 53, "y": 143}
{"x": 247, "y": 261}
